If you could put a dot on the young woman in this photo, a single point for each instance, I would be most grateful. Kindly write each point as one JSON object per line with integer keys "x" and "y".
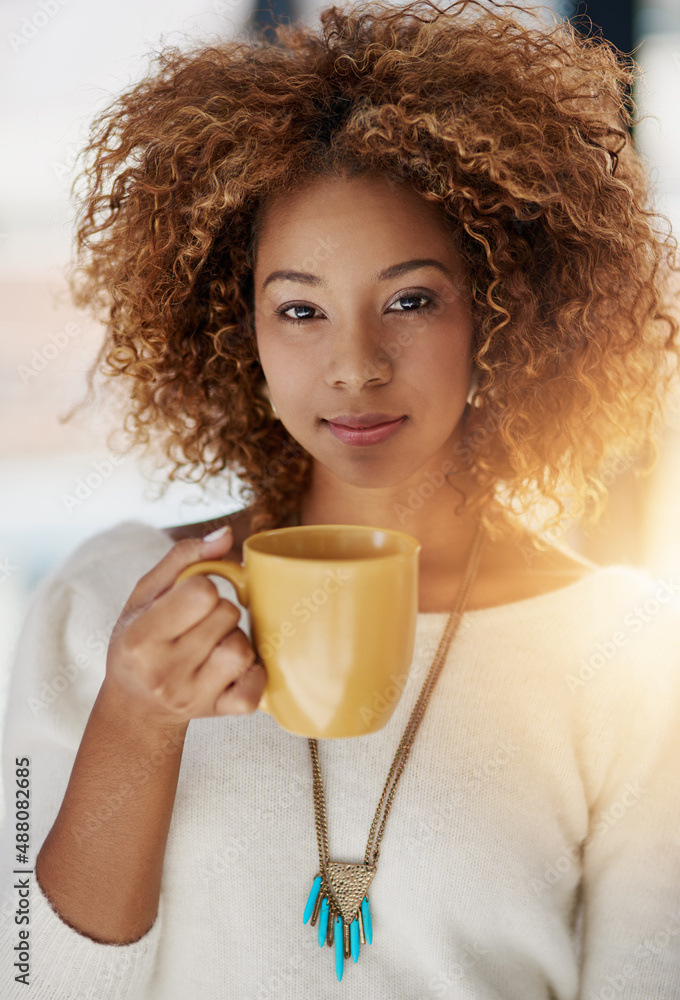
{"x": 430, "y": 218}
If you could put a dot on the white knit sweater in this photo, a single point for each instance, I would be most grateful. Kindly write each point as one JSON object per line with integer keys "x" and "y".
{"x": 546, "y": 770}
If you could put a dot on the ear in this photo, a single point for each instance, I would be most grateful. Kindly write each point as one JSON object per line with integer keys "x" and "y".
{"x": 473, "y": 386}
{"x": 264, "y": 393}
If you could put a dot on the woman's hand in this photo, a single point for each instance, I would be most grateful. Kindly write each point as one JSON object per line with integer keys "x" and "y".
{"x": 176, "y": 653}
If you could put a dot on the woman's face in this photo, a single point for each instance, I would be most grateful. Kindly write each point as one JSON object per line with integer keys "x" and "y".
{"x": 337, "y": 256}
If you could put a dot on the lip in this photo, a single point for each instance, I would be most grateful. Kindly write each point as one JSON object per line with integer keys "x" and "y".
{"x": 368, "y": 435}
{"x": 364, "y": 420}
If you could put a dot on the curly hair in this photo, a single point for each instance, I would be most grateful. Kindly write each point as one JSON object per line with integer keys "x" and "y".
{"x": 516, "y": 128}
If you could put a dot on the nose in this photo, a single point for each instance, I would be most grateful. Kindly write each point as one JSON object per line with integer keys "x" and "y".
{"x": 357, "y": 359}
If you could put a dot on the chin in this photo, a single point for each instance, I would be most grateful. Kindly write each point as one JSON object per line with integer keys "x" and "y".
{"x": 370, "y": 472}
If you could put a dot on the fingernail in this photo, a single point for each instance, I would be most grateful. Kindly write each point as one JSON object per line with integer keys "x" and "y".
{"x": 218, "y": 533}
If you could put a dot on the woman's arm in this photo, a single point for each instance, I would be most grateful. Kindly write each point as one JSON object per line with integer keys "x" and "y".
{"x": 103, "y": 760}
{"x": 176, "y": 654}
{"x": 58, "y": 668}
{"x": 100, "y": 865}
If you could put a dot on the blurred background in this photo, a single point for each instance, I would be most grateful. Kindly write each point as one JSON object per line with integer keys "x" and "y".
{"x": 62, "y": 61}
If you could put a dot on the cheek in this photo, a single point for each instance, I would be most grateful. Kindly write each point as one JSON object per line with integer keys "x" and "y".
{"x": 272, "y": 358}
{"x": 290, "y": 377}
{"x": 440, "y": 375}
{"x": 296, "y": 387}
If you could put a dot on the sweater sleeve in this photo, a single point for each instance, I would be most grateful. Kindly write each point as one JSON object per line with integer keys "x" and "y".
{"x": 58, "y": 667}
{"x": 631, "y": 900}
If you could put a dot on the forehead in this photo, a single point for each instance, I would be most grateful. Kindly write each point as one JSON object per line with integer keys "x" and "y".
{"x": 353, "y": 208}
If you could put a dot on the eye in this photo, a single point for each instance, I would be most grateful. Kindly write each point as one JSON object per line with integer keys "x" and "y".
{"x": 290, "y": 319}
{"x": 414, "y": 296}
{"x": 405, "y": 297}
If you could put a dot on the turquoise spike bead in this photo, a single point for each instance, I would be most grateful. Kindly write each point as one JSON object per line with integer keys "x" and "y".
{"x": 309, "y": 908}
{"x": 354, "y": 938}
{"x": 323, "y": 921}
{"x": 366, "y": 917}
{"x": 339, "y": 947}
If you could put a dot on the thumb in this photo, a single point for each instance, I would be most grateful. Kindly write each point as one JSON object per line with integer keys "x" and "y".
{"x": 183, "y": 553}
{"x": 219, "y": 540}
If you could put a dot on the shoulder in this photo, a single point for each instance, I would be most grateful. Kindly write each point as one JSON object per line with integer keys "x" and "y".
{"x": 614, "y": 588}
{"x": 60, "y": 655}
{"x": 620, "y": 634}
{"x": 106, "y": 564}
{"x": 623, "y": 587}
{"x": 560, "y": 585}
{"x": 526, "y": 567}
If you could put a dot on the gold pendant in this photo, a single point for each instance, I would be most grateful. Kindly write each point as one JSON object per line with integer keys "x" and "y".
{"x": 338, "y": 900}
{"x": 349, "y": 884}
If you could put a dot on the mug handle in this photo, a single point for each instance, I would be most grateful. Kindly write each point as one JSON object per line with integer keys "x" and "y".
{"x": 236, "y": 575}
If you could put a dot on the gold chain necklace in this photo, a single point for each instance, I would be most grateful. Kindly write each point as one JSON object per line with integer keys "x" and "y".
{"x": 338, "y": 895}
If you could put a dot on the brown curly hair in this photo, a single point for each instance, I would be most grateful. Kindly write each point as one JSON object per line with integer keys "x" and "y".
{"x": 518, "y": 129}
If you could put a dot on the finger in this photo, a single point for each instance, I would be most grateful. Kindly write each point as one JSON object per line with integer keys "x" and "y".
{"x": 178, "y": 611}
{"x": 244, "y": 695}
{"x": 196, "y": 693}
{"x": 175, "y": 674}
{"x": 196, "y": 643}
{"x": 163, "y": 575}
{"x": 192, "y": 651}
{"x": 227, "y": 662}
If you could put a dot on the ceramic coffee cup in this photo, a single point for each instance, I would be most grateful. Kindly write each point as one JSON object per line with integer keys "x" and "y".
{"x": 333, "y": 611}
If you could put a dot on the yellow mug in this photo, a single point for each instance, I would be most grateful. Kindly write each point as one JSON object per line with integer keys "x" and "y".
{"x": 333, "y": 611}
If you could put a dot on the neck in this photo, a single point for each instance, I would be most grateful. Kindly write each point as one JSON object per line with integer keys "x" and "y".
{"x": 444, "y": 533}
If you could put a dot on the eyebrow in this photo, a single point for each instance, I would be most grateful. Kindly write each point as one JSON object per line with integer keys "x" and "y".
{"x": 394, "y": 271}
